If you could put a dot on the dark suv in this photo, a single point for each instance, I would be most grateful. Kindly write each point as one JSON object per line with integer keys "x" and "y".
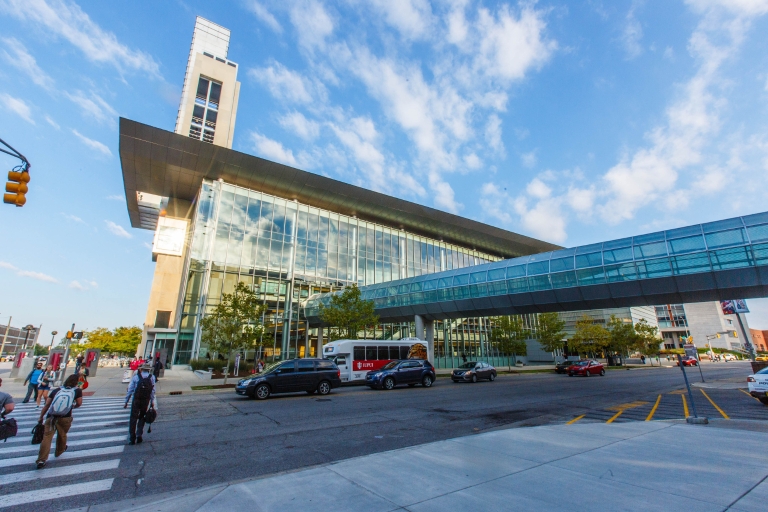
{"x": 310, "y": 375}
{"x": 408, "y": 371}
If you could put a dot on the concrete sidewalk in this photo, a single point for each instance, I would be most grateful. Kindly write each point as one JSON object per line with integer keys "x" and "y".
{"x": 621, "y": 466}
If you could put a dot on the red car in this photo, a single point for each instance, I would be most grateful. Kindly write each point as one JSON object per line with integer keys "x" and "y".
{"x": 586, "y": 368}
{"x": 688, "y": 361}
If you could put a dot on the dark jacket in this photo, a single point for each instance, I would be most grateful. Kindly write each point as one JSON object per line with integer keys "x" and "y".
{"x": 156, "y": 368}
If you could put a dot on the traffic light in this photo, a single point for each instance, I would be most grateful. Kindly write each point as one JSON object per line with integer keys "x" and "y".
{"x": 17, "y": 188}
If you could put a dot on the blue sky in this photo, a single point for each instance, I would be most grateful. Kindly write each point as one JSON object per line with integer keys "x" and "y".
{"x": 573, "y": 122}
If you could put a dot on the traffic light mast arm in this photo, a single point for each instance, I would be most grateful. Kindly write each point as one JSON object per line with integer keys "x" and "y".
{"x": 24, "y": 162}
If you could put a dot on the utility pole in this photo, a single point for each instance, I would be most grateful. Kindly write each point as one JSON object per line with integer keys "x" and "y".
{"x": 66, "y": 352}
{"x": 5, "y": 336}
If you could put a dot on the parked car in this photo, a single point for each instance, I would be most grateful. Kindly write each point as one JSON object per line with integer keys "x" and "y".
{"x": 760, "y": 358}
{"x": 688, "y": 361}
{"x": 473, "y": 371}
{"x": 586, "y": 368}
{"x": 758, "y": 385}
{"x": 407, "y": 371}
{"x": 562, "y": 366}
{"x": 310, "y": 375}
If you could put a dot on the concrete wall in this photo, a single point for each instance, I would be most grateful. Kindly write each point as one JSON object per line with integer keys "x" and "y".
{"x": 707, "y": 318}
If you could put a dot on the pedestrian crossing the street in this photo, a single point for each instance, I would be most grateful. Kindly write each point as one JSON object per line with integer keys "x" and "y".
{"x": 95, "y": 444}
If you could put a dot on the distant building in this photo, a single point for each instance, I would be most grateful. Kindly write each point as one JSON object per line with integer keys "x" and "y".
{"x": 15, "y": 339}
{"x": 759, "y": 340}
{"x": 701, "y": 320}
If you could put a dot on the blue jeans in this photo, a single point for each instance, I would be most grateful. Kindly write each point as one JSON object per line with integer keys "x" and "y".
{"x": 30, "y": 389}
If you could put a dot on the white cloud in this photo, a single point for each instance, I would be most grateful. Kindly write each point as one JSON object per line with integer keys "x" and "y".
{"x": 445, "y": 197}
{"x": 737, "y": 7}
{"x": 285, "y": 84}
{"x": 473, "y": 161}
{"x": 28, "y": 273}
{"x": 312, "y": 22}
{"x": 412, "y": 18}
{"x": 76, "y": 285}
{"x": 493, "y": 134}
{"x": 544, "y": 220}
{"x": 632, "y": 35}
{"x": 73, "y": 218}
{"x": 495, "y": 203}
{"x": 117, "y": 230}
{"x": 272, "y": 150}
{"x": 296, "y": 123}
{"x": 17, "y": 106}
{"x": 264, "y": 15}
{"x": 528, "y": 159}
{"x": 68, "y": 21}
{"x": 95, "y": 107}
{"x": 538, "y": 189}
{"x": 20, "y": 58}
{"x": 93, "y": 144}
{"x": 117, "y": 197}
{"x": 84, "y": 285}
{"x": 52, "y": 122}
{"x": 5, "y": 264}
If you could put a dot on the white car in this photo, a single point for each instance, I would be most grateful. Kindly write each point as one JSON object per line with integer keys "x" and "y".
{"x": 758, "y": 385}
{"x": 729, "y": 357}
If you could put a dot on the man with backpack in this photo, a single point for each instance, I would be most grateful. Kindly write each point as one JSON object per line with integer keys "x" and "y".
{"x": 142, "y": 387}
{"x": 58, "y": 405}
{"x": 34, "y": 379}
{"x": 8, "y": 427}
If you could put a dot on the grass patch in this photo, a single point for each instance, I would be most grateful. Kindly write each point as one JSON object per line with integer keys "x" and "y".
{"x": 217, "y": 386}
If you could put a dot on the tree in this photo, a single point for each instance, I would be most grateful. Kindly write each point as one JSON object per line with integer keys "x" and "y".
{"x": 235, "y": 323}
{"x": 40, "y": 350}
{"x": 347, "y": 314}
{"x": 549, "y": 332}
{"x": 121, "y": 340}
{"x": 589, "y": 338}
{"x": 509, "y": 335}
{"x": 623, "y": 336}
{"x": 647, "y": 339}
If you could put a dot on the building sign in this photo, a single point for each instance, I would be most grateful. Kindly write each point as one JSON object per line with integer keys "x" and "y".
{"x": 170, "y": 236}
{"x": 731, "y": 307}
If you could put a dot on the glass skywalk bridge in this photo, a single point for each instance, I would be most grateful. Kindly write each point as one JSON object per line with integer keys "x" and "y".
{"x": 721, "y": 260}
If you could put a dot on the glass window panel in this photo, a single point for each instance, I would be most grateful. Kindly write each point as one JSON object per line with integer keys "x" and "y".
{"x": 379, "y": 271}
{"x": 371, "y": 353}
{"x": 516, "y": 271}
{"x": 496, "y": 274}
{"x": 445, "y": 294}
{"x": 690, "y": 263}
{"x": 215, "y": 92}
{"x": 311, "y": 262}
{"x": 322, "y": 233}
{"x": 683, "y": 232}
{"x": 478, "y": 277}
{"x": 343, "y": 235}
{"x": 540, "y": 267}
{"x": 562, "y": 253}
{"x": 623, "y": 272}
{"x": 737, "y": 257}
{"x": 594, "y": 259}
{"x": 416, "y": 287}
{"x": 477, "y": 290}
{"x": 275, "y": 255}
{"x": 430, "y": 285}
{"x": 312, "y": 226}
{"x": 539, "y": 283}
{"x": 497, "y": 288}
{"x": 394, "y": 353}
{"x": 461, "y": 292}
{"x": 517, "y": 285}
{"x": 649, "y": 269}
{"x": 332, "y": 265}
{"x": 757, "y": 218}
{"x": 563, "y": 279}
{"x": 683, "y": 245}
{"x": 726, "y": 238}
{"x": 460, "y": 279}
{"x": 560, "y": 264}
{"x": 650, "y": 237}
{"x": 333, "y": 237}
{"x": 444, "y": 282}
{"x": 361, "y": 240}
{"x": 758, "y": 233}
{"x": 301, "y": 255}
{"x": 617, "y": 244}
{"x": 617, "y": 255}
{"x": 540, "y": 257}
{"x": 650, "y": 250}
{"x": 590, "y": 276}
{"x": 202, "y": 88}
{"x": 720, "y": 225}
{"x": 585, "y": 249}
{"x": 761, "y": 254}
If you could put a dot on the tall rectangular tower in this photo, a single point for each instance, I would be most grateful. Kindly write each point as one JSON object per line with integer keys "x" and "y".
{"x": 209, "y": 98}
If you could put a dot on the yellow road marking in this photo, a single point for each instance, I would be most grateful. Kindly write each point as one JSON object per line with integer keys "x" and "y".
{"x": 574, "y": 420}
{"x": 653, "y": 411}
{"x": 715, "y": 405}
{"x": 750, "y": 396}
{"x": 685, "y": 406}
{"x": 615, "y": 416}
{"x": 624, "y": 407}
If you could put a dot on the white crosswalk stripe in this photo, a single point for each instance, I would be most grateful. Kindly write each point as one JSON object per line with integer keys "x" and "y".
{"x": 96, "y": 439}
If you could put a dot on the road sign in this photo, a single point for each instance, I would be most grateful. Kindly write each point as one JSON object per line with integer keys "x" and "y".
{"x": 690, "y": 350}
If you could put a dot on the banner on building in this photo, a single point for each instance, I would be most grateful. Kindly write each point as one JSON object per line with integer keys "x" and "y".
{"x": 731, "y": 307}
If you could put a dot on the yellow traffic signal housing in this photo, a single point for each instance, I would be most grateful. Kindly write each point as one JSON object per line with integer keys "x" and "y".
{"x": 17, "y": 188}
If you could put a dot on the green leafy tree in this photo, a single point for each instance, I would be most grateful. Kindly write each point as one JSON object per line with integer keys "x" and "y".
{"x": 41, "y": 350}
{"x": 347, "y": 314}
{"x": 121, "y": 340}
{"x": 509, "y": 335}
{"x": 647, "y": 339}
{"x": 589, "y": 338}
{"x": 549, "y": 332}
{"x": 623, "y": 336}
{"x": 235, "y": 323}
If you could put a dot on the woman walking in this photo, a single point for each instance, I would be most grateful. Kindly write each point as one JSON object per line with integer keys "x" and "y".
{"x": 44, "y": 384}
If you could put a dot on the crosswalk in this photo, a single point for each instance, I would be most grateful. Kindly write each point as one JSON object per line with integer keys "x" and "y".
{"x": 95, "y": 443}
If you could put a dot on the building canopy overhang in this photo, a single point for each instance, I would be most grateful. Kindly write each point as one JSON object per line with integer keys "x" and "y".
{"x": 171, "y": 167}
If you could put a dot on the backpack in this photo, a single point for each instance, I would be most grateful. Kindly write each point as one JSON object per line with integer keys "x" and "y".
{"x": 62, "y": 403}
{"x": 149, "y": 418}
{"x": 144, "y": 388}
{"x": 8, "y": 428}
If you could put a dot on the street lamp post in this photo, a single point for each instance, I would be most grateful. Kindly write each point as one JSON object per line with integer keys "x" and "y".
{"x": 53, "y": 334}
{"x": 27, "y": 328}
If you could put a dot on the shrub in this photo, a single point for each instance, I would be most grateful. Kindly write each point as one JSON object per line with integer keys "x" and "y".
{"x": 204, "y": 364}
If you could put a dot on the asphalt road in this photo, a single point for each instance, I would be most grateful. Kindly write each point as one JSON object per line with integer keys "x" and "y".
{"x": 205, "y": 439}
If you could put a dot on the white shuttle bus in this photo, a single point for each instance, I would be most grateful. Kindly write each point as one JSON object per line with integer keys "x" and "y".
{"x": 355, "y": 358}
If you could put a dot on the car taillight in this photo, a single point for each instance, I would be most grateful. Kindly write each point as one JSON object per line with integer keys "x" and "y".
{"x": 750, "y": 379}
{"x": 338, "y": 373}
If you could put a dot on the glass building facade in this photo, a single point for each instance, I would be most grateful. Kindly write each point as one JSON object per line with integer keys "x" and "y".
{"x": 287, "y": 251}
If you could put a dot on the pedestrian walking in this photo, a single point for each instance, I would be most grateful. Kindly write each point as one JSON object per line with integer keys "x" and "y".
{"x": 33, "y": 379}
{"x": 59, "y": 407}
{"x": 79, "y": 362}
{"x": 6, "y": 402}
{"x": 44, "y": 384}
{"x": 142, "y": 388}
{"x": 259, "y": 367}
{"x": 157, "y": 368}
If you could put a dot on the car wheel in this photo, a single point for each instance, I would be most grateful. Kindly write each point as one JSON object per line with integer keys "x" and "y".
{"x": 389, "y": 383}
{"x": 262, "y": 392}
{"x": 602, "y": 372}
{"x": 474, "y": 378}
{"x": 492, "y": 377}
{"x": 426, "y": 381}
{"x": 570, "y": 374}
{"x": 586, "y": 373}
{"x": 763, "y": 400}
{"x": 324, "y": 387}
